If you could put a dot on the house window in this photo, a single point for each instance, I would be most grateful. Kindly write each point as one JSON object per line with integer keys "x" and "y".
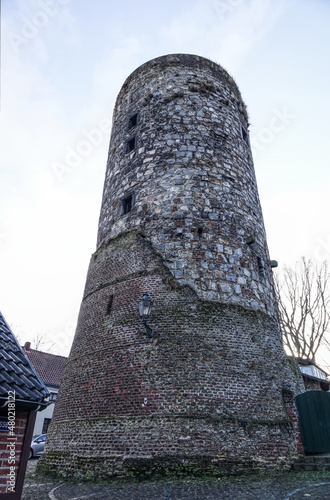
{"x": 245, "y": 135}
{"x": 52, "y": 397}
{"x": 132, "y": 121}
{"x": 130, "y": 145}
{"x": 127, "y": 204}
{"x": 47, "y": 421}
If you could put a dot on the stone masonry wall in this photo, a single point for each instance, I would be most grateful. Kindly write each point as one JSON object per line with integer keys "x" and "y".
{"x": 192, "y": 179}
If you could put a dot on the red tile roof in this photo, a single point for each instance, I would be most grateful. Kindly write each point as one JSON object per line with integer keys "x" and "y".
{"x": 48, "y": 366}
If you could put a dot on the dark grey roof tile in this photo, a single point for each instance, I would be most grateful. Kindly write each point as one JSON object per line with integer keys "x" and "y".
{"x": 5, "y": 355}
{"x": 16, "y": 379}
{"x": 16, "y": 371}
{"x": 15, "y": 358}
{"x": 5, "y": 376}
{"x": 6, "y": 387}
{"x": 24, "y": 369}
{"x": 6, "y": 366}
{"x": 30, "y": 395}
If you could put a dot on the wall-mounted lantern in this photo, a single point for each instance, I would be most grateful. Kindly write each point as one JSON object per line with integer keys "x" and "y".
{"x": 145, "y": 305}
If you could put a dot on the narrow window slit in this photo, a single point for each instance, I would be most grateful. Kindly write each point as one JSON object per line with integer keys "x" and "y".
{"x": 127, "y": 204}
{"x": 132, "y": 122}
{"x": 130, "y": 145}
{"x": 245, "y": 135}
{"x": 109, "y": 306}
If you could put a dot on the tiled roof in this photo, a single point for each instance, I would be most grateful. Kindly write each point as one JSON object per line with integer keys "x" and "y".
{"x": 17, "y": 373}
{"x": 49, "y": 366}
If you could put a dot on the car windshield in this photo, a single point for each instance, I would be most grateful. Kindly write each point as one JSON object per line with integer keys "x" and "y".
{"x": 40, "y": 438}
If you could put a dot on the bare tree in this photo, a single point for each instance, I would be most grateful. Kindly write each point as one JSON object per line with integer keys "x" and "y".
{"x": 42, "y": 339}
{"x": 39, "y": 340}
{"x": 303, "y": 294}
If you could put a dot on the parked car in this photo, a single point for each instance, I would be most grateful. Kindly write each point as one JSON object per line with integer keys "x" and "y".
{"x": 37, "y": 446}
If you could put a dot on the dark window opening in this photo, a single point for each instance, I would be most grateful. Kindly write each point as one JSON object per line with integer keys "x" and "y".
{"x": 127, "y": 204}
{"x": 47, "y": 421}
{"x": 109, "y": 306}
{"x": 132, "y": 122}
{"x": 52, "y": 397}
{"x": 261, "y": 268}
{"x": 199, "y": 232}
{"x": 130, "y": 145}
{"x": 245, "y": 135}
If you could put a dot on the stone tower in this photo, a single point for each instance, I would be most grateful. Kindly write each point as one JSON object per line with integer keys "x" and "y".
{"x": 180, "y": 219}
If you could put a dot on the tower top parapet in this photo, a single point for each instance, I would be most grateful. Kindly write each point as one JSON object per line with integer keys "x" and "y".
{"x": 188, "y": 61}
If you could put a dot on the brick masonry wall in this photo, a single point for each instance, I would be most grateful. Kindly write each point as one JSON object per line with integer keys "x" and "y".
{"x": 10, "y": 451}
{"x": 312, "y": 385}
{"x": 207, "y": 389}
{"x": 212, "y": 389}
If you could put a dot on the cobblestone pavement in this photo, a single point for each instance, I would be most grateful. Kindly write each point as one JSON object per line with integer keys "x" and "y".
{"x": 289, "y": 486}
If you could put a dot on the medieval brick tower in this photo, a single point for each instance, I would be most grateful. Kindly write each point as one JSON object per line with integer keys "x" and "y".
{"x": 180, "y": 219}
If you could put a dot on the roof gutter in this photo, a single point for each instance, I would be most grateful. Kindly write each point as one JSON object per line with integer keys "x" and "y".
{"x": 315, "y": 378}
{"x": 26, "y": 405}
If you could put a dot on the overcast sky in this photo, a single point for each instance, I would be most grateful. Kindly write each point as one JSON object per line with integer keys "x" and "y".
{"x": 63, "y": 63}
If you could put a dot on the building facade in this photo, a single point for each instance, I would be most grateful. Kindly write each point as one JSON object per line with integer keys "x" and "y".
{"x": 22, "y": 396}
{"x": 180, "y": 219}
{"x": 50, "y": 369}
{"x": 314, "y": 378}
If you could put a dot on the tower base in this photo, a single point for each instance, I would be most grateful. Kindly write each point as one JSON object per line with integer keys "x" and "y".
{"x": 211, "y": 392}
{"x": 167, "y": 446}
